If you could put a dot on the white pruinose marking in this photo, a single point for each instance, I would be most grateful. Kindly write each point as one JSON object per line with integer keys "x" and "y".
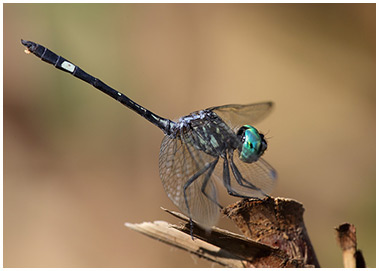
{"x": 68, "y": 66}
{"x": 154, "y": 117}
{"x": 118, "y": 93}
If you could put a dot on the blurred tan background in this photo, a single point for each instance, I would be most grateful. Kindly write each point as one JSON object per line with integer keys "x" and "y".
{"x": 78, "y": 165}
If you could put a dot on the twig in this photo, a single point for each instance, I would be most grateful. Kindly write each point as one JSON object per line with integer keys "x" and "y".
{"x": 253, "y": 253}
{"x": 347, "y": 240}
{"x": 292, "y": 247}
{"x": 165, "y": 232}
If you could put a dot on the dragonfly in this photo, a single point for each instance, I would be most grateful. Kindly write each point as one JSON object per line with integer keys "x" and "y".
{"x": 217, "y": 145}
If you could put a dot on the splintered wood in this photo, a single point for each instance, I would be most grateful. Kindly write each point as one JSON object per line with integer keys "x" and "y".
{"x": 274, "y": 235}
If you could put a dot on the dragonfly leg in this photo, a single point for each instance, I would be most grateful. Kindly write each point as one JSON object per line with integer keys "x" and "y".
{"x": 206, "y": 180}
{"x": 226, "y": 179}
{"x": 186, "y": 185}
{"x": 190, "y": 181}
{"x": 240, "y": 180}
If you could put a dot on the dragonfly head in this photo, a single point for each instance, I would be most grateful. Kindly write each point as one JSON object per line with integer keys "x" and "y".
{"x": 253, "y": 144}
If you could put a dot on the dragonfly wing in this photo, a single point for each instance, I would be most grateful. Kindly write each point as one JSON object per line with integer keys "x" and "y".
{"x": 178, "y": 163}
{"x": 237, "y": 115}
{"x": 255, "y": 180}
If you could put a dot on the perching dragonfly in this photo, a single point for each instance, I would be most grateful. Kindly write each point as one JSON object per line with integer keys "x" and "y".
{"x": 217, "y": 144}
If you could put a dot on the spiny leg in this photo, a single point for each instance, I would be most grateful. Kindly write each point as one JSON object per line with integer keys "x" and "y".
{"x": 186, "y": 185}
{"x": 206, "y": 180}
{"x": 240, "y": 180}
{"x": 226, "y": 179}
{"x": 238, "y": 175}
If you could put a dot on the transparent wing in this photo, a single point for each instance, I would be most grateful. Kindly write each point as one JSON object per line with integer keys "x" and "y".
{"x": 258, "y": 179}
{"x": 178, "y": 163}
{"x": 236, "y": 115}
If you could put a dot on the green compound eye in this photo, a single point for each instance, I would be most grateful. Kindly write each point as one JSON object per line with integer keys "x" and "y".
{"x": 253, "y": 144}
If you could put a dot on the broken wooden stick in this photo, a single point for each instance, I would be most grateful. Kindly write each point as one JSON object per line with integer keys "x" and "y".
{"x": 169, "y": 234}
{"x": 277, "y": 222}
{"x": 347, "y": 240}
{"x": 275, "y": 236}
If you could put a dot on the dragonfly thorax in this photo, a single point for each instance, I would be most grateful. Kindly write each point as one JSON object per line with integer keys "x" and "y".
{"x": 207, "y": 132}
{"x": 253, "y": 144}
